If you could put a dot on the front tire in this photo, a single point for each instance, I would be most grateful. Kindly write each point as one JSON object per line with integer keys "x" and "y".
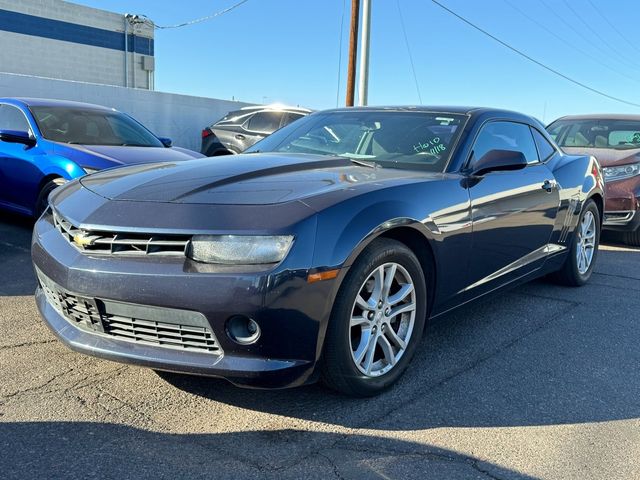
{"x": 579, "y": 264}
{"x": 377, "y": 320}
{"x": 43, "y": 197}
{"x": 632, "y": 238}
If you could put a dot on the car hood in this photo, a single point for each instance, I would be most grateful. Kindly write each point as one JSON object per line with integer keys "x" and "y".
{"x": 265, "y": 178}
{"x": 118, "y": 155}
{"x": 608, "y": 157}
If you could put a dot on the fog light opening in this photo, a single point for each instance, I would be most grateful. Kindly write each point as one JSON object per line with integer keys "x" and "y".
{"x": 243, "y": 330}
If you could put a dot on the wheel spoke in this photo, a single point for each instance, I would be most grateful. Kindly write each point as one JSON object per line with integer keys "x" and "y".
{"x": 371, "y": 350}
{"x": 359, "y": 320}
{"x": 363, "y": 348}
{"x": 389, "y": 275}
{"x": 394, "y": 338}
{"x": 364, "y": 304}
{"x": 378, "y": 278}
{"x": 406, "y": 307}
{"x": 401, "y": 294}
{"x": 387, "y": 349}
{"x": 588, "y": 252}
{"x": 585, "y": 260}
{"x": 580, "y": 264}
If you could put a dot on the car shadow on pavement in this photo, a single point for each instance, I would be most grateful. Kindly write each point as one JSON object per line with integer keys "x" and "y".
{"x": 105, "y": 450}
{"x": 16, "y": 270}
{"x": 539, "y": 354}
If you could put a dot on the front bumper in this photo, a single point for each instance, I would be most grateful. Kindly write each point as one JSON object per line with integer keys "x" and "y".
{"x": 622, "y": 221}
{"x": 622, "y": 205}
{"x": 292, "y": 313}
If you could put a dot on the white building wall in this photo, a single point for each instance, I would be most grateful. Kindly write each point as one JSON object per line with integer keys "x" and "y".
{"x": 74, "y": 57}
{"x": 179, "y": 117}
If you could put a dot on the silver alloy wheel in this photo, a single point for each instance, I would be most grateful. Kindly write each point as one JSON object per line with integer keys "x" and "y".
{"x": 586, "y": 242}
{"x": 382, "y": 319}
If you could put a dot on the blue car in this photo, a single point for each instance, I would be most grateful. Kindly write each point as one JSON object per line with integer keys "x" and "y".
{"x": 45, "y": 143}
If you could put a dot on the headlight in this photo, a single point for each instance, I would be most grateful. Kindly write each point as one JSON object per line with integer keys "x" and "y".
{"x": 623, "y": 171}
{"x": 239, "y": 249}
{"x": 89, "y": 170}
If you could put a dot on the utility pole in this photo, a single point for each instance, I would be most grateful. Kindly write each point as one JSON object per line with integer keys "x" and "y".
{"x": 353, "y": 51}
{"x": 363, "y": 76}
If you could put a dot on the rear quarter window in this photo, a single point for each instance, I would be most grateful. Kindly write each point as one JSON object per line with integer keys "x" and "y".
{"x": 545, "y": 149}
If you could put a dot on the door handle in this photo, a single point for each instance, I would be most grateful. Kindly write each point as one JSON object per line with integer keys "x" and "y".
{"x": 549, "y": 185}
{"x": 240, "y": 137}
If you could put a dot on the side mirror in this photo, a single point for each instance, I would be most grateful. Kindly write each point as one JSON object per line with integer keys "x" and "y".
{"x": 166, "y": 141}
{"x": 17, "y": 136}
{"x": 499, "y": 160}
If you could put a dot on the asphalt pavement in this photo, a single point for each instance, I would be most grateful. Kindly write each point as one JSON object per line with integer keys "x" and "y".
{"x": 539, "y": 382}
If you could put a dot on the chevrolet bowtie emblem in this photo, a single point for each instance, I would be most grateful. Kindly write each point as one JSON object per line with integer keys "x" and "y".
{"x": 82, "y": 239}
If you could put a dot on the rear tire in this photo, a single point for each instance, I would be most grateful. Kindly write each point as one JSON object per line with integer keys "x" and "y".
{"x": 577, "y": 268}
{"x": 43, "y": 197}
{"x": 377, "y": 320}
{"x": 632, "y": 238}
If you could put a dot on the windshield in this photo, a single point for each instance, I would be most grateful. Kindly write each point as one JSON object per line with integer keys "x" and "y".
{"x": 92, "y": 127}
{"x": 398, "y": 139}
{"x": 617, "y": 134}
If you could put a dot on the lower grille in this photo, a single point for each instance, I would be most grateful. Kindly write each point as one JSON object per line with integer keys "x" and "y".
{"x": 79, "y": 310}
{"x": 105, "y": 317}
{"x": 164, "y": 334}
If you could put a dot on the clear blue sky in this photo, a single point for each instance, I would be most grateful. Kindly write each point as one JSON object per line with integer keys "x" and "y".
{"x": 288, "y": 51}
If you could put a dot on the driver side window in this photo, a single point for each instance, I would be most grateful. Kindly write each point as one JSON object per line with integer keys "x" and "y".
{"x": 504, "y": 136}
{"x": 12, "y": 118}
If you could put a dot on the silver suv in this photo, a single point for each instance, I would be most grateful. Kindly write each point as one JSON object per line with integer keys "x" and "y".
{"x": 240, "y": 129}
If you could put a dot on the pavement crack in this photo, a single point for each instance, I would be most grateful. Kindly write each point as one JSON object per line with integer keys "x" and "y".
{"x": 547, "y": 297}
{"x": 626, "y": 277}
{"x": 96, "y": 378}
{"x": 476, "y": 466}
{"x": 437, "y": 456}
{"x": 336, "y": 471}
{"x": 39, "y": 387}
{"x": 27, "y": 344}
{"x": 123, "y": 402}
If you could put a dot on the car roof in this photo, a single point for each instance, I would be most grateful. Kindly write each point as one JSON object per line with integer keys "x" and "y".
{"x": 47, "y": 102}
{"x": 464, "y": 110}
{"x": 276, "y": 106}
{"x": 602, "y": 116}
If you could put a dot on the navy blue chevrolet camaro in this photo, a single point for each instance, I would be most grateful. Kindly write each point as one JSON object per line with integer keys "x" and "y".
{"x": 321, "y": 252}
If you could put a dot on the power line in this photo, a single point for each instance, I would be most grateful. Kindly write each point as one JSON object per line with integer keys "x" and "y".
{"x": 406, "y": 41}
{"x": 344, "y": 7}
{"x": 595, "y": 32}
{"x": 199, "y": 20}
{"x": 613, "y": 27}
{"x": 571, "y": 45}
{"x": 581, "y": 34}
{"x": 533, "y": 60}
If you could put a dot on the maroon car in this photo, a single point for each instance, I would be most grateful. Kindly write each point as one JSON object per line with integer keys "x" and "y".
{"x": 615, "y": 141}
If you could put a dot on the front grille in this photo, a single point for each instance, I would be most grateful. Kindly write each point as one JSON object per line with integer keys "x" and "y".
{"x": 121, "y": 243}
{"x": 105, "y": 317}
